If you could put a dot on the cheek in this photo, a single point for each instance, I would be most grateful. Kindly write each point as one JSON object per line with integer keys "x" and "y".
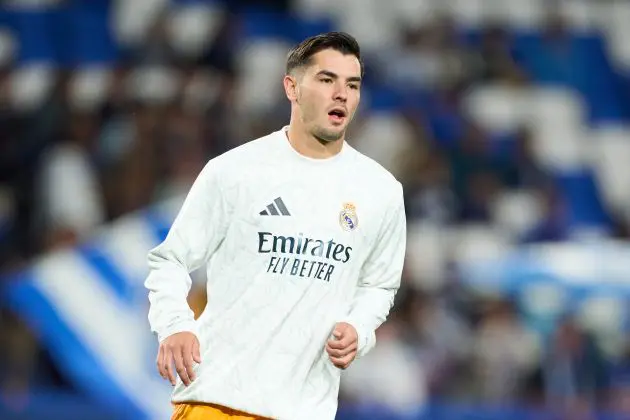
{"x": 354, "y": 103}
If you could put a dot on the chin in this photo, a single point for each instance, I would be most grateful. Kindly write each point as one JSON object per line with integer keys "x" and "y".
{"x": 329, "y": 136}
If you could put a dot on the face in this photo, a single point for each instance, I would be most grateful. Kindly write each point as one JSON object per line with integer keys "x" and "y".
{"x": 326, "y": 94}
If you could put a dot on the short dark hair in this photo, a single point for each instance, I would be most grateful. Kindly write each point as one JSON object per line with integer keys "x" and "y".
{"x": 301, "y": 54}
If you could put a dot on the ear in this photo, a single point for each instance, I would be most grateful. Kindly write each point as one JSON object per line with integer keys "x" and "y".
{"x": 291, "y": 87}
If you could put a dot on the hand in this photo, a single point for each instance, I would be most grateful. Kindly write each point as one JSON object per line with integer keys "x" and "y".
{"x": 183, "y": 349}
{"x": 343, "y": 349}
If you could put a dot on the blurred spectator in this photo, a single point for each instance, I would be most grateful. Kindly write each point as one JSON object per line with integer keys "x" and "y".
{"x": 443, "y": 342}
{"x": 554, "y": 225}
{"x": 69, "y": 189}
{"x": 505, "y": 353}
{"x": 574, "y": 372}
{"x": 392, "y": 375}
{"x": 428, "y": 194}
{"x": 528, "y": 172}
{"x": 87, "y": 140}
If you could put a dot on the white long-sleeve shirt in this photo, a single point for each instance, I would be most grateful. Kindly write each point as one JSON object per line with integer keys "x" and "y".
{"x": 293, "y": 246}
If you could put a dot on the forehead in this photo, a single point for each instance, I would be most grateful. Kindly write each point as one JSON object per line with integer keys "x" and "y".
{"x": 345, "y": 65}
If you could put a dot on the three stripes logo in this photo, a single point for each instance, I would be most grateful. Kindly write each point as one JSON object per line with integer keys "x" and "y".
{"x": 277, "y": 208}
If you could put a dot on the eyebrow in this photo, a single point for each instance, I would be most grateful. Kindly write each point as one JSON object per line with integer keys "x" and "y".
{"x": 335, "y": 76}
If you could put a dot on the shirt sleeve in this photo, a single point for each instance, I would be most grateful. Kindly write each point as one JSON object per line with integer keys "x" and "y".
{"x": 380, "y": 277}
{"x": 196, "y": 233}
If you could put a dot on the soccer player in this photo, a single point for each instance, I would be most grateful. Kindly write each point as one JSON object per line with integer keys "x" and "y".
{"x": 304, "y": 239}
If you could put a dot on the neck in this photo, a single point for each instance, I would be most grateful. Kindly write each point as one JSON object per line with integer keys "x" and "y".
{"x": 308, "y": 145}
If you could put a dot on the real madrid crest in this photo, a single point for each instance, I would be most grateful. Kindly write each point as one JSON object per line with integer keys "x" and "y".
{"x": 348, "y": 218}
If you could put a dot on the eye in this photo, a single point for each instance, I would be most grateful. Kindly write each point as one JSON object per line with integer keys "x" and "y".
{"x": 326, "y": 80}
{"x": 354, "y": 86}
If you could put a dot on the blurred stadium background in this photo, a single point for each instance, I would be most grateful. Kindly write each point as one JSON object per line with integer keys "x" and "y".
{"x": 506, "y": 120}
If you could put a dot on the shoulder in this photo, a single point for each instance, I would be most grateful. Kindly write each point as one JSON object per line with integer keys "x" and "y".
{"x": 248, "y": 152}
{"x": 381, "y": 181}
{"x": 239, "y": 161}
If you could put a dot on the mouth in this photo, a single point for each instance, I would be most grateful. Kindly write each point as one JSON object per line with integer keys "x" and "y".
{"x": 337, "y": 115}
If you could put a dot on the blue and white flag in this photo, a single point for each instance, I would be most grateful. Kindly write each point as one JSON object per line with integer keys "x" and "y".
{"x": 90, "y": 307}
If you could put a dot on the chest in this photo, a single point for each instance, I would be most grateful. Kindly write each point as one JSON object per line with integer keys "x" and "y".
{"x": 328, "y": 218}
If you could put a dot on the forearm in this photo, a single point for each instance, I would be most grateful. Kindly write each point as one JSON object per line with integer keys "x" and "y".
{"x": 195, "y": 235}
{"x": 380, "y": 277}
{"x": 168, "y": 284}
{"x": 370, "y": 309}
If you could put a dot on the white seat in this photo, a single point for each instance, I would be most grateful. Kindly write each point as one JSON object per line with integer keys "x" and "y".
{"x": 582, "y": 15}
{"x": 544, "y": 300}
{"x": 467, "y": 13}
{"x": 556, "y": 106}
{"x": 615, "y": 26}
{"x": 477, "y": 243}
{"x": 371, "y": 22}
{"x": 132, "y": 20}
{"x": 521, "y": 14}
{"x": 261, "y": 63}
{"x": 191, "y": 28}
{"x": 609, "y": 158}
{"x": 497, "y": 108}
{"x": 385, "y": 137}
{"x": 516, "y": 212}
{"x": 30, "y": 85}
{"x": 556, "y": 116}
{"x": 153, "y": 84}
{"x": 560, "y": 148}
{"x": 413, "y": 13}
{"x": 426, "y": 256}
{"x": 602, "y": 314}
{"x": 89, "y": 88}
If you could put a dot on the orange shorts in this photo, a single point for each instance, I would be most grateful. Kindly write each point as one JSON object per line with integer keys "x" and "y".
{"x": 198, "y": 411}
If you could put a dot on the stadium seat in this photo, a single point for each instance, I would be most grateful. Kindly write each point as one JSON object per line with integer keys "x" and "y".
{"x": 153, "y": 84}
{"x": 477, "y": 242}
{"x": 497, "y": 108}
{"x": 414, "y": 13}
{"x": 542, "y": 301}
{"x": 426, "y": 255}
{"x": 30, "y": 86}
{"x": 466, "y": 13}
{"x": 191, "y": 28}
{"x": 523, "y": 16}
{"x": 557, "y": 120}
{"x": 261, "y": 64}
{"x": 609, "y": 158}
{"x": 516, "y": 212}
{"x": 560, "y": 148}
{"x": 602, "y": 315}
{"x": 582, "y": 15}
{"x": 385, "y": 137}
{"x": 557, "y": 106}
{"x": 132, "y": 20}
{"x": 369, "y": 22}
{"x": 615, "y": 26}
{"x": 89, "y": 88}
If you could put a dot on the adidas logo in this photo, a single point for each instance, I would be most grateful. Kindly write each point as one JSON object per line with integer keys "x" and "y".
{"x": 276, "y": 208}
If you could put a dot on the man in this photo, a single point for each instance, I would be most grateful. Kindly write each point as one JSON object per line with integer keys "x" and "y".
{"x": 304, "y": 239}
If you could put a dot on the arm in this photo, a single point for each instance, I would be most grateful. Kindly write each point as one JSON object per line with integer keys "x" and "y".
{"x": 380, "y": 277}
{"x": 196, "y": 233}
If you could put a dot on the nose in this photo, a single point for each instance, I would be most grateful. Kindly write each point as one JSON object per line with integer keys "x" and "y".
{"x": 340, "y": 93}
